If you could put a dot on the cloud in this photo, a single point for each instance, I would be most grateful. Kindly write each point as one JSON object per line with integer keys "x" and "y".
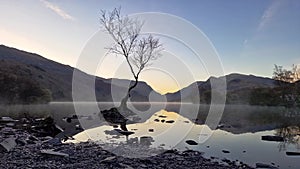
{"x": 58, "y": 10}
{"x": 269, "y": 14}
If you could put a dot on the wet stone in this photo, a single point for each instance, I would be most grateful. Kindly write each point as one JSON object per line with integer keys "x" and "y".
{"x": 226, "y": 151}
{"x": 191, "y": 142}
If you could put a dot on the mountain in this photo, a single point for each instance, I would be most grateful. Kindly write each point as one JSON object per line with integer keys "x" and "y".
{"x": 56, "y": 79}
{"x": 238, "y": 87}
{"x": 30, "y": 78}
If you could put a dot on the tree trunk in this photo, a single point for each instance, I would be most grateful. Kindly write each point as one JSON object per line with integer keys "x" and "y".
{"x": 123, "y": 105}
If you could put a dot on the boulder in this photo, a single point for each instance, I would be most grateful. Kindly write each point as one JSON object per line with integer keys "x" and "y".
{"x": 8, "y": 144}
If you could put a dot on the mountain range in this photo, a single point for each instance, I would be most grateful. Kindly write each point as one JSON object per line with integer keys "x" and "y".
{"x": 55, "y": 79}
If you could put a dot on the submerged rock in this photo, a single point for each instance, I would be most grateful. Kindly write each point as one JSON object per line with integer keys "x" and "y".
{"x": 191, "y": 142}
{"x": 170, "y": 121}
{"x": 293, "y": 153}
{"x": 272, "y": 138}
{"x": 262, "y": 165}
{"x": 226, "y": 151}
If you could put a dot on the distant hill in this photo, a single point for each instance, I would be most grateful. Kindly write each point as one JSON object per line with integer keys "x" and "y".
{"x": 239, "y": 88}
{"x": 57, "y": 79}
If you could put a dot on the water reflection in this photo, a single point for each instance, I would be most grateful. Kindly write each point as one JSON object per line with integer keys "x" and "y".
{"x": 291, "y": 135}
{"x": 156, "y": 133}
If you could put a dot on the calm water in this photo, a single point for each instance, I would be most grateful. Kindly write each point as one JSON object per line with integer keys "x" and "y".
{"x": 245, "y": 146}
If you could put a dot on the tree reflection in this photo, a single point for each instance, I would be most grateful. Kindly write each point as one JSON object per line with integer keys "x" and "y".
{"x": 291, "y": 135}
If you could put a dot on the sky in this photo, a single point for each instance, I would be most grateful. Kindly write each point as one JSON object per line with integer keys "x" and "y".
{"x": 250, "y": 36}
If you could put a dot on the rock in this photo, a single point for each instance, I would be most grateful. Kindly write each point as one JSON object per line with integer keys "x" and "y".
{"x": 151, "y": 130}
{"x": 262, "y": 165}
{"x": 272, "y": 138}
{"x": 162, "y": 116}
{"x": 108, "y": 159}
{"x": 126, "y": 133}
{"x": 163, "y": 121}
{"x": 146, "y": 140}
{"x": 21, "y": 142}
{"x": 293, "y": 153}
{"x": 156, "y": 120}
{"x": 78, "y": 127}
{"x": 33, "y": 138}
{"x": 226, "y": 151}
{"x": 8, "y": 144}
{"x": 191, "y": 142}
{"x": 54, "y": 153}
{"x": 54, "y": 141}
{"x": 170, "y": 121}
{"x": 7, "y": 120}
{"x": 220, "y": 126}
{"x": 10, "y": 124}
{"x": 69, "y": 119}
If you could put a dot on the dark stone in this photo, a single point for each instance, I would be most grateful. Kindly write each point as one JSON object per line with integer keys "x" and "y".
{"x": 262, "y": 165}
{"x": 126, "y": 133}
{"x": 151, "y": 130}
{"x": 272, "y": 138}
{"x": 170, "y": 121}
{"x": 226, "y": 151}
{"x": 156, "y": 120}
{"x": 163, "y": 121}
{"x": 146, "y": 140}
{"x": 69, "y": 119}
{"x": 191, "y": 142}
{"x": 115, "y": 117}
{"x": 293, "y": 153}
{"x": 162, "y": 116}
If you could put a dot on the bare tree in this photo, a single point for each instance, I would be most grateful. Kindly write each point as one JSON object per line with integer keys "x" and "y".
{"x": 285, "y": 75}
{"x": 138, "y": 50}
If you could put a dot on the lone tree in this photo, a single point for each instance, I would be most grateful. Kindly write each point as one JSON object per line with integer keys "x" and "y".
{"x": 138, "y": 50}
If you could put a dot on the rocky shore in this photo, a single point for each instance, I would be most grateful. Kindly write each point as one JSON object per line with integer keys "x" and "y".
{"x": 23, "y": 148}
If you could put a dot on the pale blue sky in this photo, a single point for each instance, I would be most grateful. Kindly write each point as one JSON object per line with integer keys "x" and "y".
{"x": 250, "y": 35}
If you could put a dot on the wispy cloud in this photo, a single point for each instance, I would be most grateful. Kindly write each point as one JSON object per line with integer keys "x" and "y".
{"x": 57, "y": 10}
{"x": 269, "y": 14}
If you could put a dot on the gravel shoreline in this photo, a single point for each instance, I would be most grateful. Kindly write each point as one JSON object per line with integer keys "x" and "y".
{"x": 28, "y": 153}
{"x": 31, "y": 143}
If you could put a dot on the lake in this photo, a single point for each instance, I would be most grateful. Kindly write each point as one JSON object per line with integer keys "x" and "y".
{"x": 238, "y": 137}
